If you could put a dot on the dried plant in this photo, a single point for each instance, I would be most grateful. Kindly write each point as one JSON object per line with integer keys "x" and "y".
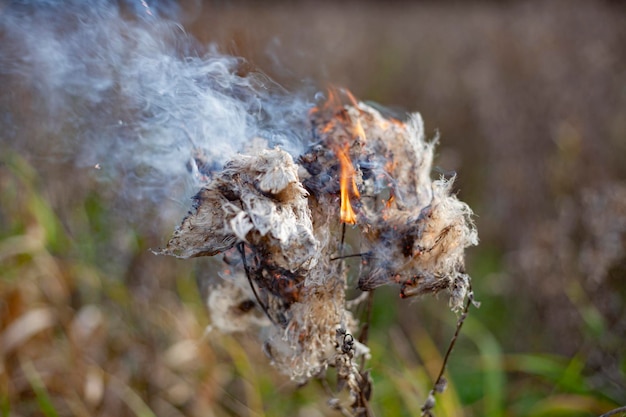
{"x": 91, "y": 317}
{"x": 280, "y": 222}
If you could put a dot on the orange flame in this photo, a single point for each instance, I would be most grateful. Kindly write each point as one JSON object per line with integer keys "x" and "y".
{"x": 351, "y": 97}
{"x": 358, "y": 130}
{"x": 334, "y": 111}
{"x": 332, "y": 102}
{"x": 347, "y": 175}
{"x": 389, "y": 202}
{"x": 358, "y": 127}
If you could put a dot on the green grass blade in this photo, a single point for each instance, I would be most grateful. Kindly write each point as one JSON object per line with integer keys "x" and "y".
{"x": 39, "y": 388}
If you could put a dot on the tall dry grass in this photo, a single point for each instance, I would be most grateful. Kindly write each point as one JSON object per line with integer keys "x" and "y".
{"x": 530, "y": 99}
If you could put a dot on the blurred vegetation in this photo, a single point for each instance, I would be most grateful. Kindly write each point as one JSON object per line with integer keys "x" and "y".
{"x": 530, "y": 99}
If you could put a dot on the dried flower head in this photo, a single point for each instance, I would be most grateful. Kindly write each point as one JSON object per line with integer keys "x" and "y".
{"x": 281, "y": 223}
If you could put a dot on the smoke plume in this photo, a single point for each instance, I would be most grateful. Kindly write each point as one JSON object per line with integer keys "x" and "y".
{"x": 122, "y": 87}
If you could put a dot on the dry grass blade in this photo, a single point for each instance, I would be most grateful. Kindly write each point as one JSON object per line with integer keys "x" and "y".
{"x": 615, "y": 412}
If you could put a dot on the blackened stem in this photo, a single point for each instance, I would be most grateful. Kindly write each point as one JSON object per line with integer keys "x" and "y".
{"x": 438, "y": 383}
{"x": 242, "y": 250}
{"x": 343, "y": 236}
{"x": 354, "y": 255}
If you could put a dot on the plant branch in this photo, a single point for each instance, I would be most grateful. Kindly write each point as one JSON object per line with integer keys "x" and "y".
{"x": 440, "y": 382}
{"x": 242, "y": 250}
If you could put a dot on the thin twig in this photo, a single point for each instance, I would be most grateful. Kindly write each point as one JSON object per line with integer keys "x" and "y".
{"x": 368, "y": 317}
{"x": 366, "y": 323}
{"x": 614, "y": 412}
{"x": 440, "y": 382}
{"x": 242, "y": 250}
{"x": 354, "y": 255}
{"x": 365, "y": 410}
{"x": 334, "y": 401}
{"x": 343, "y": 236}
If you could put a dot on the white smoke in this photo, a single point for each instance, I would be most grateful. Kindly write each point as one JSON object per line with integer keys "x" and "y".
{"x": 119, "y": 85}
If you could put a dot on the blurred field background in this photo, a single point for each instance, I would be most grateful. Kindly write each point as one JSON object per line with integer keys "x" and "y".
{"x": 530, "y": 101}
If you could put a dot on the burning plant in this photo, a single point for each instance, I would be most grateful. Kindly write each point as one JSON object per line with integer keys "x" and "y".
{"x": 280, "y": 224}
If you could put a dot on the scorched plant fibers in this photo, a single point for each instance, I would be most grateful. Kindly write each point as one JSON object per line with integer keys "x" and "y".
{"x": 280, "y": 224}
